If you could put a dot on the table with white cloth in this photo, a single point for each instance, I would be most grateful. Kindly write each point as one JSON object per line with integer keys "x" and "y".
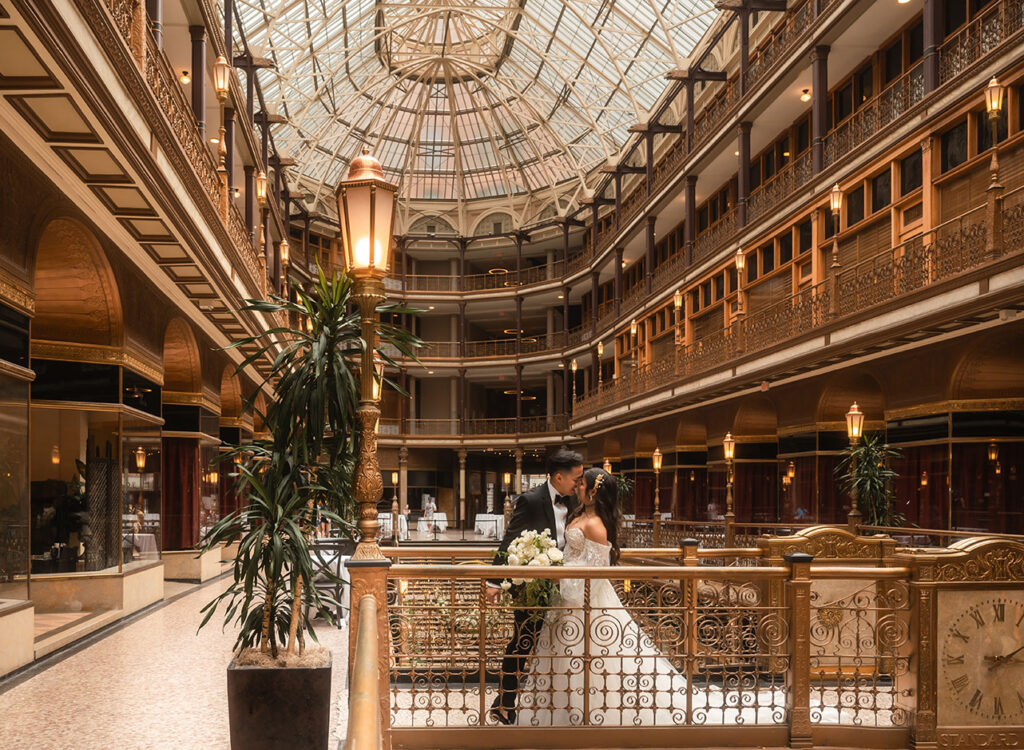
{"x": 384, "y": 520}
{"x": 490, "y": 525}
{"x": 427, "y": 526}
{"x": 146, "y": 545}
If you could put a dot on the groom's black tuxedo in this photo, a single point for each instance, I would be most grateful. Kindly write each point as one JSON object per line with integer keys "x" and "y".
{"x": 533, "y": 511}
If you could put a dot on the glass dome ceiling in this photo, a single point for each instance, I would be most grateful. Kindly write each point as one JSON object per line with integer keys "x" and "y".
{"x": 465, "y": 99}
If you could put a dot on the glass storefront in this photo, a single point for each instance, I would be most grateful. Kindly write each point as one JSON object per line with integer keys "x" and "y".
{"x": 14, "y": 502}
{"x": 93, "y": 507}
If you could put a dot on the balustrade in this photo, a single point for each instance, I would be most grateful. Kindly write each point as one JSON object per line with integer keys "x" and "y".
{"x": 950, "y": 249}
{"x": 981, "y": 37}
{"x": 783, "y": 38}
{"x": 715, "y": 237}
{"x": 873, "y": 116}
{"x": 779, "y": 187}
{"x": 476, "y": 426}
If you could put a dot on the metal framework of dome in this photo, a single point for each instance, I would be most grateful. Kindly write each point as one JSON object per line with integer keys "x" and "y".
{"x": 465, "y": 99}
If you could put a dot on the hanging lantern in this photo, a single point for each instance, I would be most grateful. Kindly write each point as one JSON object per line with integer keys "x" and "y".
{"x": 607, "y": 466}
{"x": 366, "y": 203}
{"x": 140, "y": 458}
{"x": 854, "y": 424}
{"x": 993, "y": 452}
{"x": 729, "y": 446}
{"x": 656, "y": 459}
{"x": 261, "y": 188}
{"x": 791, "y": 470}
{"x": 221, "y": 77}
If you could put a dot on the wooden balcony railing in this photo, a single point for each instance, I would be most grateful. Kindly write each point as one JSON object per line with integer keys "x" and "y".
{"x": 556, "y": 424}
{"x": 130, "y": 20}
{"x": 779, "y": 187}
{"x": 482, "y": 281}
{"x": 980, "y": 38}
{"x": 873, "y": 116}
{"x": 950, "y": 249}
{"x": 364, "y": 715}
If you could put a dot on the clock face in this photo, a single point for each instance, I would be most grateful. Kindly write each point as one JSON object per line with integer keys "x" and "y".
{"x": 981, "y": 658}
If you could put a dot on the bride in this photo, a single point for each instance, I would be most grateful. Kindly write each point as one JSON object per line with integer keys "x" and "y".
{"x": 627, "y": 681}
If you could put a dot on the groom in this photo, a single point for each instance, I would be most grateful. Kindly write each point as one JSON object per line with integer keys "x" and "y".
{"x": 544, "y": 507}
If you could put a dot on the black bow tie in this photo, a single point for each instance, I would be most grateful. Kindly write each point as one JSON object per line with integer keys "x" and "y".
{"x": 562, "y": 500}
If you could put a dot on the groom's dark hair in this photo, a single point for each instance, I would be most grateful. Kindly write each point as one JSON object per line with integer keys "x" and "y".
{"x": 563, "y": 462}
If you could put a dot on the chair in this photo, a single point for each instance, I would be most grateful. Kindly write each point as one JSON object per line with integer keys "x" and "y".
{"x": 329, "y": 556}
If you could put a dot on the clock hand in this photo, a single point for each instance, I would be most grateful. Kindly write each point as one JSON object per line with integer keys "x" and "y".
{"x": 998, "y": 660}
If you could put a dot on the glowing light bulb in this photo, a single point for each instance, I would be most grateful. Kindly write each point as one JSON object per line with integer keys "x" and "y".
{"x": 362, "y": 254}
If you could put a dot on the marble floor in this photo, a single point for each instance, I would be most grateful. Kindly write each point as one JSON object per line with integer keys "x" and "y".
{"x": 153, "y": 684}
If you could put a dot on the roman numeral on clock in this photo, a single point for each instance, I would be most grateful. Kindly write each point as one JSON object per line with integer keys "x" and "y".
{"x": 975, "y": 702}
{"x": 997, "y": 707}
{"x": 951, "y": 660}
{"x": 957, "y": 634}
{"x": 960, "y": 682}
{"x": 979, "y": 621}
{"x": 999, "y": 611}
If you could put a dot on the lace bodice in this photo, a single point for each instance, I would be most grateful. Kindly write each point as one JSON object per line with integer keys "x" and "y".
{"x": 580, "y": 551}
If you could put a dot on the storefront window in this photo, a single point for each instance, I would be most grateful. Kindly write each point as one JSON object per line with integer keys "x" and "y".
{"x": 141, "y": 529}
{"x": 209, "y": 487}
{"x": 14, "y": 504}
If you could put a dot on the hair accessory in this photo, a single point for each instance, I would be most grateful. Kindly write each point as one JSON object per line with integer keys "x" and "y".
{"x": 598, "y": 479}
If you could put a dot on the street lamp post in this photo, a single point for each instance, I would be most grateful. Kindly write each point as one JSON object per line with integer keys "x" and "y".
{"x": 600, "y": 375}
{"x": 995, "y": 95}
{"x": 394, "y": 508}
{"x": 729, "y": 448}
{"x": 677, "y": 304}
{"x": 574, "y": 366}
{"x": 366, "y": 208}
{"x": 221, "y": 83}
{"x": 854, "y": 431}
{"x": 656, "y": 463}
{"x": 632, "y": 344}
{"x": 835, "y": 202}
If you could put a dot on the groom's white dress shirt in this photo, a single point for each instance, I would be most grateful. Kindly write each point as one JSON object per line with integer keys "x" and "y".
{"x": 561, "y": 512}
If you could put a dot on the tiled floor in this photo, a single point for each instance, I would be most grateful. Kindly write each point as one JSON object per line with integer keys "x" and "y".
{"x": 151, "y": 685}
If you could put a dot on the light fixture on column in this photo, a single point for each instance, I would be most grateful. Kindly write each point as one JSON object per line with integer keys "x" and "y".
{"x": 656, "y": 463}
{"x": 924, "y": 479}
{"x": 597, "y": 364}
{"x": 741, "y": 260}
{"x": 835, "y": 204}
{"x": 632, "y": 328}
{"x": 993, "y": 452}
{"x": 55, "y": 455}
{"x": 729, "y": 450}
{"x": 140, "y": 458}
{"x": 995, "y": 95}
{"x": 185, "y": 78}
{"x": 221, "y": 82}
{"x": 791, "y": 470}
{"x": 573, "y": 366}
{"x": 366, "y": 209}
{"x": 261, "y": 188}
{"x": 600, "y": 348}
{"x": 677, "y": 304}
{"x": 607, "y": 466}
{"x": 286, "y": 252}
{"x": 854, "y": 431}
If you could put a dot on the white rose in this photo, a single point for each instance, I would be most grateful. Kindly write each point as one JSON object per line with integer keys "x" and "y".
{"x": 555, "y": 555}
{"x": 518, "y": 581}
{"x": 542, "y": 559}
{"x": 534, "y": 562}
{"x": 506, "y": 585}
{"x": 513, "y": 559}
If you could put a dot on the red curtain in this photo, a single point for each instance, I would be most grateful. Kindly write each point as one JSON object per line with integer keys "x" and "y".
{"x": 755, "y": 492}
{"x": 692, "y": 495}
{"x": 922, "y": 487}
{"x": 643, "y": 494}
{"x": 180, "y": 493}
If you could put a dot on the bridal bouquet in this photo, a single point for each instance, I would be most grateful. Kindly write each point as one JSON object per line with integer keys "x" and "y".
{"x": 531, "y": 549}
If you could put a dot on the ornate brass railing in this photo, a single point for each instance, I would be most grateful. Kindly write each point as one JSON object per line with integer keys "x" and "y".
{"x": 780, "y": 187}
{"x": 556, "y": 424}
{"x": 817, "y": 641}
{"x": 944, "y": 252}
{"x": 873, "y": 116}
{"x": 364, "y": 720}
{"x": 715, "y": 237}
{"x": 981, "y": 37}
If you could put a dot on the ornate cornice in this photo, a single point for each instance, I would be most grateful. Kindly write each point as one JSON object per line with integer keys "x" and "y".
{"x": 132, "y": 358}
{"x": 955, "y": 405}
{"x": 17, "y": 293}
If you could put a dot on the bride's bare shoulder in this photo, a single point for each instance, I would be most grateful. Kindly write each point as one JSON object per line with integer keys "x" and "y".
{"x": 594, "y": 530}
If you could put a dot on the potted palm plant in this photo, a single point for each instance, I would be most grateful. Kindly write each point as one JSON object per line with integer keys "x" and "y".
{"x": 864, "y": 471}
{"x": 278, "y": 689}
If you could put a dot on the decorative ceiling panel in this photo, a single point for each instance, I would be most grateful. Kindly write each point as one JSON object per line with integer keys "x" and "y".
{"x": 465, "y": 99}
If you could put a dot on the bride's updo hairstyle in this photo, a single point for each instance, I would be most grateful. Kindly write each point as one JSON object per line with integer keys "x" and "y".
{"x": 606, "y": 505}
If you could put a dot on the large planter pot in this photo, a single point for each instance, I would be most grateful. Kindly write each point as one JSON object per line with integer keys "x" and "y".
{"x": 276, "y": 708}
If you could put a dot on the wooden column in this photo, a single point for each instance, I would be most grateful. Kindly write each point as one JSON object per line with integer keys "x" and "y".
{"x": 743, "y": 175}
{"x": 618, "y": 280}
{"x": 155, "y": 11}
{"x": 690, "y": 228}
{"x": 932, "y": 37}
{"x": 594, "y": 289}
{"x": 819, "y": 96}
{"x": 649, "y": 260}
{"x": 229, "y": 145}
{"x": 743, "y": 19}
{"x": 198, "y": 35}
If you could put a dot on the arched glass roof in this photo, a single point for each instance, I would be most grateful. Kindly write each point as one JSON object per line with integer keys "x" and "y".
{"x": 465, "y": 99}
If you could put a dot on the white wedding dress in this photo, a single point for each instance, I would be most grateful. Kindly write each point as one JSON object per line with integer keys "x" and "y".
{"x": 628, "y": 682}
